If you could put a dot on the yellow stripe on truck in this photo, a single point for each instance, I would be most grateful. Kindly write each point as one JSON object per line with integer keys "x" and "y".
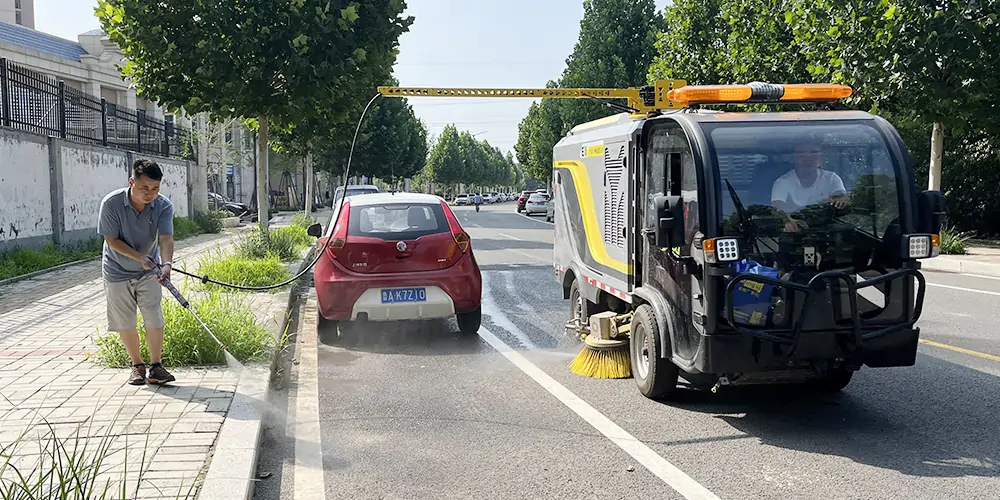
{"x": 585, "y": 197}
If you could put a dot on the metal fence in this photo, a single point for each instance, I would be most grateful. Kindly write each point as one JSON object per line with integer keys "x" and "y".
{"x": 39, "y": 104}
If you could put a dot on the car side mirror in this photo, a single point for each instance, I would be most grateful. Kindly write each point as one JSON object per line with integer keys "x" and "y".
{"x": 670, "y": 227}
{"x": 930, "y": 211}
{"x": 315, "y": 230}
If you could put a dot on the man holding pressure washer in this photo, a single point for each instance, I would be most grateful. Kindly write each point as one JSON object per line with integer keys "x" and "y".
{"x": 137, "y": 223}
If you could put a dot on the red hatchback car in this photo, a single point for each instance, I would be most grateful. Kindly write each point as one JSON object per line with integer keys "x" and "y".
{"x": 397, "y": 257}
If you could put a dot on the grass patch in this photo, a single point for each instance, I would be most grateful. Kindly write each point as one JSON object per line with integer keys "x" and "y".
{"x": 210, "y": 221}
{"x": 75, "y": 466}
{"x": 953, "y": 242}
{"x": 286, "y": 243}
{"x": 186, "y": 343}
{"x": 20, "y": 261}
{"x": 185, "y": 228}
{"x": 233, "y": 268}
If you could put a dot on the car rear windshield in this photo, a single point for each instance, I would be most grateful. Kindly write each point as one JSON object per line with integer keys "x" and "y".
{"x": 397, "y": 221}
{"x": 538, "y": 197}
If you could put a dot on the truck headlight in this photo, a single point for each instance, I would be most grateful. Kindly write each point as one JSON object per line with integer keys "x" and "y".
{"x": 922, "y": 246}
{"x": 721, "y": 250}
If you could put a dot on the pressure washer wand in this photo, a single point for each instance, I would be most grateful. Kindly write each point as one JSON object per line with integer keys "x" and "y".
{"x": 184, "y": 302}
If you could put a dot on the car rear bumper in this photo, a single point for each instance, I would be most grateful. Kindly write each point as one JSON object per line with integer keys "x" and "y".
{"x": 438, "y": 305}
{"x": 536, "y": 209}
{"x": 343, "y": 295}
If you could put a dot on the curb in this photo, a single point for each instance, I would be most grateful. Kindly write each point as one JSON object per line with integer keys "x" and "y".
{"x": 232, "y": 472}
{"x": 960, "y": 265}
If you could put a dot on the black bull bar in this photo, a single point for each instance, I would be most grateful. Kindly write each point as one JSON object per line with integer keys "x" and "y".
{"x": 854, "y": 335}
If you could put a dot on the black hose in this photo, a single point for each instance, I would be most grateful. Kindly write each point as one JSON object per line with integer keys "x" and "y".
{"x": 319, "y": 254}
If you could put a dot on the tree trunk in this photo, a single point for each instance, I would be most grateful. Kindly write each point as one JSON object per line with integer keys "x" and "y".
{"x": 199, "y": 186}
{"x": 937, "y": 153}
{"x": 309, "y": 183}
{"x": 263, "y": 207}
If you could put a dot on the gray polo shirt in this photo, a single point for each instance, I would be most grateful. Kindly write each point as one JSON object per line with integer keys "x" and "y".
{"x": 141, "y": 231}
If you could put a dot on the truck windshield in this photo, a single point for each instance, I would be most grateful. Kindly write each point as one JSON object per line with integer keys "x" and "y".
{"x": 826, "y": 184}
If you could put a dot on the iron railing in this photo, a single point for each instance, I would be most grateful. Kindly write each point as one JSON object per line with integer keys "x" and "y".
{"x": 39, "y": 104}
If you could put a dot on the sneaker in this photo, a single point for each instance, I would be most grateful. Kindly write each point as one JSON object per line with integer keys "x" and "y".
{"x": 138, "y": 375}
{"x": 159, "y": 375}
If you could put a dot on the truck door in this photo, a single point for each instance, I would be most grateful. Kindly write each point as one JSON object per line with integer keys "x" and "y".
{"x": 670, "y": 170}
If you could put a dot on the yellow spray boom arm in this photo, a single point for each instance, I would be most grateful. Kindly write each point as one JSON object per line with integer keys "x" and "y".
{"x": 643, "y": 99}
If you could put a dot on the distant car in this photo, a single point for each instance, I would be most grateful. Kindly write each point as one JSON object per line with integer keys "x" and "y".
{"x": 550, "y": 210}
{"x": 218, "y": 202}
{"x": 536, "y": 204}
{"x": 396, "y": 258}
{"x": 462, "y": 199}
{"x": 522, "y": 200}
{"x": 354, "y": 190}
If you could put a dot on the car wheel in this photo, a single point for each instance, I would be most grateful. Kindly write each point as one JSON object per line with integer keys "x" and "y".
{"x": 469, "y": 322}
{"x": 655, "y": 376}
{"x": 326, "y": 329}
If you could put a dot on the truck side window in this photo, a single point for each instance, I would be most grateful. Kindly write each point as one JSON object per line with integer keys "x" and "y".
{"x": 682, "y": 180}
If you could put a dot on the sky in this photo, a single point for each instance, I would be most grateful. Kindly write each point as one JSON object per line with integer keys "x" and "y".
{"x": 452, "y": 43}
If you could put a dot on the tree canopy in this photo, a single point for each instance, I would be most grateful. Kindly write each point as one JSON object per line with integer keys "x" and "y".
{"x": 615, "y": 48}
{"x": 458, "y": 157}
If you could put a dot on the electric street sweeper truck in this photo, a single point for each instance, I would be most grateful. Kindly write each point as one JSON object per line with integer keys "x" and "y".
{"x": 731, "y": 248}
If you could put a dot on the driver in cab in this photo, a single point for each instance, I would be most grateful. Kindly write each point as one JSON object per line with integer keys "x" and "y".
{"x": 807, "y": 184}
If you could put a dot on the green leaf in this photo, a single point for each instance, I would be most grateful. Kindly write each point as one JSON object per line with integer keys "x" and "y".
{"x": 350, "y": 13}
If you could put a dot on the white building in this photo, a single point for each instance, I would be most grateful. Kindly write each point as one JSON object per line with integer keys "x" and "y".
{"x": 18, "y": 12}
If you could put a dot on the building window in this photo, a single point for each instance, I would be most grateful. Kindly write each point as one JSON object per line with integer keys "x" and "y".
{"x": 17, "y": 17}
{"x": 17, "y": 4}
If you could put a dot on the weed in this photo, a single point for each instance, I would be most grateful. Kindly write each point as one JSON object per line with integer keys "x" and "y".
{"x": 239, "y": 270}
{"x": 210, "y": 221}
{"x": 185, "y": 343}
{"x": 953, "y": 242}
{"x": 286, "y": 243}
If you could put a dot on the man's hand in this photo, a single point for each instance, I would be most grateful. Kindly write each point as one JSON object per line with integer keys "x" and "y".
{"x": 164, "y": 272}
{"x": 840, "y": 201}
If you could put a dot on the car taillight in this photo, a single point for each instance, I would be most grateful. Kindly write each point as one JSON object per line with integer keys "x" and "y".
{"x": 461, "y": 237}
{"x": 338, "y": 238}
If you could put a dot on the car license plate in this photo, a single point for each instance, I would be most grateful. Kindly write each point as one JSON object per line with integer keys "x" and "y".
{"x": 394, "y": 295}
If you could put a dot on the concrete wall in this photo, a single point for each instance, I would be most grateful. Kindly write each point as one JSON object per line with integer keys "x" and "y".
{"x": 25, "y": 200}
{"x": 51, "y": 189}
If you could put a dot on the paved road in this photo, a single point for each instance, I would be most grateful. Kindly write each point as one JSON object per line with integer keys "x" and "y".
{"x": 426, "y": 413}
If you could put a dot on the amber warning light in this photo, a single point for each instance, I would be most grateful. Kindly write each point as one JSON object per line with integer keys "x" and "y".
{"x": 759, "y": 93}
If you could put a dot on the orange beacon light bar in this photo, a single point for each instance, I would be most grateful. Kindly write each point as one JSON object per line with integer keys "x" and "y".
{"x": 759, "y": 93}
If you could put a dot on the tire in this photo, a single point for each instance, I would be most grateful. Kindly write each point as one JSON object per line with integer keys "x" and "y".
{"x": 469, "y": 322}
{"x": 655, "y": 377}
{"x": 579, "y": 306}
{"x": 833, "y": 382}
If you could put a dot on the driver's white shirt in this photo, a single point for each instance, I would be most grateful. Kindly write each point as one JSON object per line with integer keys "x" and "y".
{"x": 789, "y": 189}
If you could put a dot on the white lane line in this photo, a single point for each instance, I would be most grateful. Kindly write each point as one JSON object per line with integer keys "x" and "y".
{"x": 963, "y": 289}
{"x": 667, "y": 472}
{"x": 535, "y": 219}
{"x": 491, "y": 309}
{"x": 308, "y": 436}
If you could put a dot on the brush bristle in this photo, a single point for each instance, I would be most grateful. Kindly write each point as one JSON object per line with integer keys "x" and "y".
{"x": 612, "y": 363}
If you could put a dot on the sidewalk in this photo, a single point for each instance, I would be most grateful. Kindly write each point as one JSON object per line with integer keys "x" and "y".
{"x": 983, "y": 261}
{"x": 46, "y": 325}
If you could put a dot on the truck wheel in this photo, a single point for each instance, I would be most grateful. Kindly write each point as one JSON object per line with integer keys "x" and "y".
{"x": 656, "y": 377}
{"x": 832, "y": 382}
{"x": 579, "y": 306}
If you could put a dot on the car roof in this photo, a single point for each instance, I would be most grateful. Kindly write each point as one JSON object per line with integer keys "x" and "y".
{"x": 391, "y": 198}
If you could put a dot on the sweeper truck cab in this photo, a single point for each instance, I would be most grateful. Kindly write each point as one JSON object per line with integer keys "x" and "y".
{"x": 730, "y": 248}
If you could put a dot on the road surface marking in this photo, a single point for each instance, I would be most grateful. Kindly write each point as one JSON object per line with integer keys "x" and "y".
{"x": 667, "y": 472}
{"x": 962, "y": 288}
{"x": 493, "y": 310}
{"x": 509, "y": 236}
{"x": 543, "y": 221}
{"x": 308, "y": 446}
{"x": 962, "y": 350}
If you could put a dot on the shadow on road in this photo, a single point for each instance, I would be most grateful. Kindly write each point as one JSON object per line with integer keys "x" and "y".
{"x": 938, "y": 419}
{"x": 482, "y": 244}
{"x": 417, "y": 338}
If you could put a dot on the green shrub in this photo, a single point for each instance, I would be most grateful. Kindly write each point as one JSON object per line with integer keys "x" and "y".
{"x": 231, "y": 268}
{"x": 302, "y": 220}
{"x": 186, "y": 343}
{"x": 20, "y": 261}
{"x": 211, "y": 221}
{"x": 953, "y": 242}
{"x": 185, "y": 228}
